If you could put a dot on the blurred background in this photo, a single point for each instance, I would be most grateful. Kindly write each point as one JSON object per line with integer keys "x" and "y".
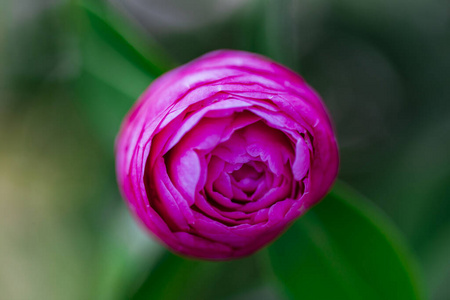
{"x": 70, "y": 70}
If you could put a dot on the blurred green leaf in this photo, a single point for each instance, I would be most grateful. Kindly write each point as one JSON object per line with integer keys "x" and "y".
{"x": 127, "y": 39}
{"x": 126, "y": 252}
{"x": 175, "y": 277}
{"x": 105, "y": 104}
{"x": 436, "y": 263}
{"x": 278, "y": 25}
{"x": 344, "y": 248}
{"x": 118, "y": 64}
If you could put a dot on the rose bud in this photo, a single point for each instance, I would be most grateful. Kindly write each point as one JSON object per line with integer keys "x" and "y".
{"x": 220, "y": 155}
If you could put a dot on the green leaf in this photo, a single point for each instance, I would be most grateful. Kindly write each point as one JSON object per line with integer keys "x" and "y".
{"x": 104, "y": 108}
{"x": 436, "y": 263}
{"x": 118, "y": 64}
{"x": 125, "y": 253}
{"x": 125, "y": 38}
{"x": 344, "y": 248}
{"x": 175, "y": 277}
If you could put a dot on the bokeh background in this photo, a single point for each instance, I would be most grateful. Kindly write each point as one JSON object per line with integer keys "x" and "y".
{"x": 70, "y": 70}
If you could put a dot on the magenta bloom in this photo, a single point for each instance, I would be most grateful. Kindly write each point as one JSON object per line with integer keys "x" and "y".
{"x": 220, "y": 155}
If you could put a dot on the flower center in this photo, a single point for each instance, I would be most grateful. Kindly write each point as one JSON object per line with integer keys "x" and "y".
{"x": 247, "y": 171}
{"x": 247, "y": 179}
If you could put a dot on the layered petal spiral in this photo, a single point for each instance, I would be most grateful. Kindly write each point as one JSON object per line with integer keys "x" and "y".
{"x": 220, "y": 155}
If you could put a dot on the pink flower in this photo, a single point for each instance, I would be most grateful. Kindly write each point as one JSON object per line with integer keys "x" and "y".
{"x": 220, "y": 155}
